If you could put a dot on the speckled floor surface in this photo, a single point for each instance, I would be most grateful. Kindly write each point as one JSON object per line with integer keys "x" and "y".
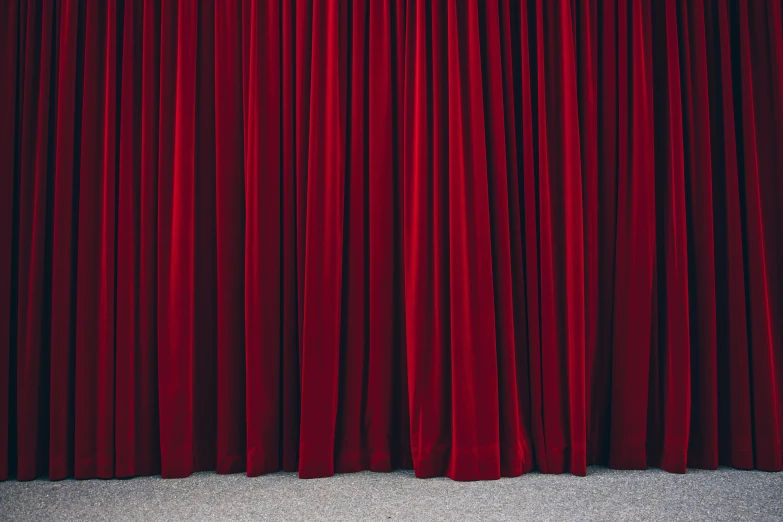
{"x": 725, "y": 494}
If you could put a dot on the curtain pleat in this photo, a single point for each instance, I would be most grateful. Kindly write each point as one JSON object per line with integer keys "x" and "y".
{"x": 9, "y": 21}
{"x": 468, "y": 238}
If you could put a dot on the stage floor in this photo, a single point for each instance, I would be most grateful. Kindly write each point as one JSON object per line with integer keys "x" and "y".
{"x": 603, "y": 495}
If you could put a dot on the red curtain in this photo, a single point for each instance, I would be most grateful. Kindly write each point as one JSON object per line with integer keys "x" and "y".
{"x": 469, "y": 237}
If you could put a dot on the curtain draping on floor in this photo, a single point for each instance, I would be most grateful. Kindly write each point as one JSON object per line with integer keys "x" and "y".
{"x": 469, "y": 237}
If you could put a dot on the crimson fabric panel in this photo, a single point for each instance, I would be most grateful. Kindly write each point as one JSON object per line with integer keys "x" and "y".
{"x": 472, "y": 238}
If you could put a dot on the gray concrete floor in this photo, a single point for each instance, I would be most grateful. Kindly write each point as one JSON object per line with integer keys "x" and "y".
{"x": 725, "y": 494}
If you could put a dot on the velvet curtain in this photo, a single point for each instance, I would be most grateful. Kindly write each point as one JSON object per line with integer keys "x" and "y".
{"x": 469, "y": 237}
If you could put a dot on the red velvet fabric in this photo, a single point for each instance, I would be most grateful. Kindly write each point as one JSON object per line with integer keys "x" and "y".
{"x": 469, "y": 237}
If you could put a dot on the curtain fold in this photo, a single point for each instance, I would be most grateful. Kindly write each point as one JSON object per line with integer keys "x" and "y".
{"x": 469, "y": 238}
